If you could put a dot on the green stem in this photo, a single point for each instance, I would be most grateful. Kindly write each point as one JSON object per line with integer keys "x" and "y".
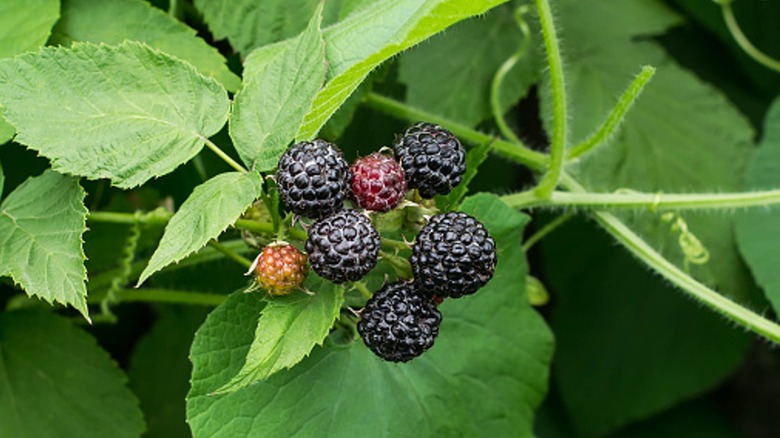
{"x": 547, "y": 229}
{"x": 622, "y": 233}
{"x": 710, "y": 298}
{"x": 268, "y": 229}
{"x": 517, "y": 152}
{"x": 168, "y": 296}
{"x": 558, "y": 88}
{"x": 156, "y": 217}
{"x": 743, "y": 41}
{"x": 229, "y": 253}
{"x": 617, "y": 115}
{"x": 221, "y": 154}
{"x": 506, "y": 67}
{"x": 657, "y": 201}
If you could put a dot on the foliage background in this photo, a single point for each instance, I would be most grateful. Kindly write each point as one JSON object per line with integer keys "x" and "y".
{"x": 632, "y": 356}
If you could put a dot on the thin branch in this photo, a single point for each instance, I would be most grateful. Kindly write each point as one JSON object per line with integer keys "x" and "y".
{"x": 225, "y": 157}
{"x": 552, "y": 177}
{"x": 616, "y": 116}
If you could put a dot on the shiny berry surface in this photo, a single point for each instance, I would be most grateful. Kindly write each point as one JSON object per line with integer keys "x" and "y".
{"x": 313, "y": 178}
{"x": 454, "y": 255}
{"x": 378, "y": 182}
{"x": 398, "y": 324}
{"x": 432, "y": 158}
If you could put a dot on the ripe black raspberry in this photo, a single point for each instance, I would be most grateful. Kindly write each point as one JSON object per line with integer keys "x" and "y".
{"x": 377, "y": 182}
{"x": 313, "y": 178}
{"x": 343, "y": 246}
{"x": 280, "y": 269}
{"x": 398, "y": 324}
{"x": 432, "y": 158}
{"x": 453, "y": 256}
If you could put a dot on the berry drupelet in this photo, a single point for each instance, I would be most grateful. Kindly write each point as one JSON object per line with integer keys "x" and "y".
{"x": 432, "y": 159}
{"x": 343, "y": 246}
{"x": 313, "y": 178}
{"x": 398, "y": 324}
{"x": 280, "y": 269}
{"x": 454, "y": 255}
{"x": 378, "y": 182}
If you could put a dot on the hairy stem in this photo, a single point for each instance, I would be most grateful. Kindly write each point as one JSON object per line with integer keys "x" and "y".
{"x": 616, "y": 116}
{"x": 710, "y": 298}
{"x": 221, "y": 154}
{"x": 558, "y": 88}
{"x": 506, "y": 67}
{"x": 514, "y": 151}
{"x": 650, "y": 201}
{"x": 633, "y": 243}
{"x": 743, "y": 41}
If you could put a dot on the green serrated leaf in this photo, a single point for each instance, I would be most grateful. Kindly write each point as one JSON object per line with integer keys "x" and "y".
{"x": 24, "y": 26}
{"x": 474, "y": 158}
{"x": 249, "y": 24}
{"x": 756, "y": 229}
{"x": 48, "y": 366}
{"x": 492, "y": 347}
{"x": 368, "y": 37}
{"x": 627, "y": 344}
{"x": 128, "y": 113}
{"x": 212, "y": 207}
{"x": 41, "y": 223}
{"x": 288, "y": 329}
{"x": 113, "y": 21}
{"x": 280, "y": 83}
{"x": 465, "y": 59}
{"x": 666, "y": 143}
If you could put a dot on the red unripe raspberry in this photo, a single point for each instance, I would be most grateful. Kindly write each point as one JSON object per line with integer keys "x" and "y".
{"x": 378, "y": 182}
{"x": 280, "y": 269}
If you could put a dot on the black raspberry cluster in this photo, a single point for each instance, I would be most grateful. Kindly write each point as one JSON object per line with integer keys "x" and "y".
{"x": 453, "y": 256}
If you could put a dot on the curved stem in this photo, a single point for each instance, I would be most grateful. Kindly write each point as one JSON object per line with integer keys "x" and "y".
{"x": 616, "y": 116}
{"x": 506, "y": 67}
{"x": 225, "y": 157}
{"x": 558, "y": 87}
{"x": 514, "y": 151}
{"x": 743, "y": 41}
{"x": 657, "y": 201}
{"x": 710, "y": 298}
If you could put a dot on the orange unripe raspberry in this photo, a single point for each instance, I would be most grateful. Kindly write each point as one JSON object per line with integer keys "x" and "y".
{"x": 280, "y": 269}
